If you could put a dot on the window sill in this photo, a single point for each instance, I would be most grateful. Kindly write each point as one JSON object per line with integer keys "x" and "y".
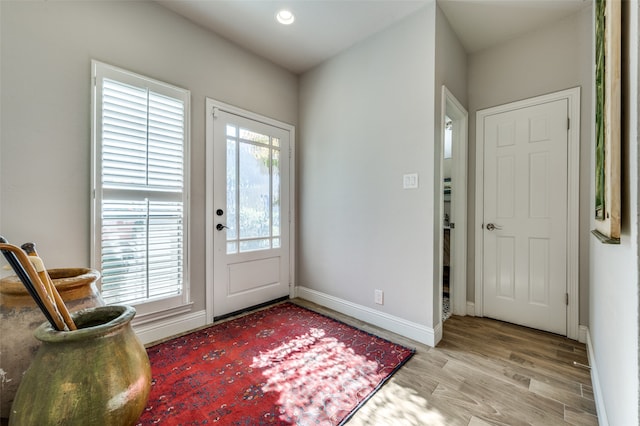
{"x": 161, "y": 314}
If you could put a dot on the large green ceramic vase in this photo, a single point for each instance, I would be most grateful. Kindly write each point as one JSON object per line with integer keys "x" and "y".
{"x": 20, "y": 316}
{"x": 96, "y": 375}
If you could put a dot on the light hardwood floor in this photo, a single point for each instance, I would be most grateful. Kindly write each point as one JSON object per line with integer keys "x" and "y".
{"x": 483, "y": 372}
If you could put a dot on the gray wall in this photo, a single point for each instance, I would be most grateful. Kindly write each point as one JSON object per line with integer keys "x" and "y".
{"x": 46, "y": 49}
{"x": 550, "y": 59}
{"x": 451, "y": 64}
{"x": 450, "y": 71}
{"x": 367, "y": 118}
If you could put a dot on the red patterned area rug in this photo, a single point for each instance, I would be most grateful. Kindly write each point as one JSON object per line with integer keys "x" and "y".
{"x": 284, "y": 365}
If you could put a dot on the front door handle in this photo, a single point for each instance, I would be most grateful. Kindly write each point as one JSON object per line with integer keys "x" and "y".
{"x": 220, "y": 227}
{"x": 491, "y": 227}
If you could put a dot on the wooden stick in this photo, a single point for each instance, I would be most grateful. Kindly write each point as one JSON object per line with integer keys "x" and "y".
{"x": 30, "y": 249}
{"x": 22, "y": 274}
{"x": 19, "y": 260}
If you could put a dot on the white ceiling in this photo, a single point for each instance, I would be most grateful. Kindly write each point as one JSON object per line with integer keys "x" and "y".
{"x": 323, "y": 28}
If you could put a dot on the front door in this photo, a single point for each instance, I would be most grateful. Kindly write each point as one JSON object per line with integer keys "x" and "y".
{"x": 251, "y": 212}
{"x": 525, "y": 216}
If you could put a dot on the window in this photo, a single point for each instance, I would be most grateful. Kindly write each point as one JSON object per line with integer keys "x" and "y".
{"x": 140, "y": 219}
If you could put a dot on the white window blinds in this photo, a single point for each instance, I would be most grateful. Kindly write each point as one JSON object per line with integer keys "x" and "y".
{"x": 142, "y": 138}
{"x": 141, "y": 143}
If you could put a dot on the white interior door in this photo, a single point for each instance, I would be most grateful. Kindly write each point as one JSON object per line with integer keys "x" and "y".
{"x": 525, "y": 216}
{"x": 250, "y": 212}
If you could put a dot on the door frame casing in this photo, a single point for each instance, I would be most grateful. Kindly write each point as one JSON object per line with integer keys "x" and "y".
{"x": 210, "y": 105}
{"x": 460, "y": 119}
{"x": 573, "y": 208}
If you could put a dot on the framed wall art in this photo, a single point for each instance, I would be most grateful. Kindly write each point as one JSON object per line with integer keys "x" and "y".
{"x": 607, "y": 120}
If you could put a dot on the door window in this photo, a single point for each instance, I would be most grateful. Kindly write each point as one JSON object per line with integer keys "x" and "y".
{"x": 253, "y": 190}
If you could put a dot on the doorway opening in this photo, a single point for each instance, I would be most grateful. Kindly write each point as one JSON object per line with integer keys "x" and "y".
{"x": 446, "y": 223}
{"x": 453, "y": 207}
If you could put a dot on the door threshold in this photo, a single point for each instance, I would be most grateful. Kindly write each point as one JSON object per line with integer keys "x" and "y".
{"x": 250, "y": 308}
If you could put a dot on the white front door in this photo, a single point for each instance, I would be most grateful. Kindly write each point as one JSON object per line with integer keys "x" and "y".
{"x": 250, "y": 212}
{"x": 525, "y": 216}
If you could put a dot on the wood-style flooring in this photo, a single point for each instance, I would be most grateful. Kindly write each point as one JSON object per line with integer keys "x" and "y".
{"x": 483, "y": 372}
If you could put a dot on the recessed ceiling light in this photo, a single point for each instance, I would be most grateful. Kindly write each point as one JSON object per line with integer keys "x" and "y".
{"x": 285, "y": 17}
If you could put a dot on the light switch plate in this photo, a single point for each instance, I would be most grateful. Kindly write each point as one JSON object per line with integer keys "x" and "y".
{"x": 410, "y": 181}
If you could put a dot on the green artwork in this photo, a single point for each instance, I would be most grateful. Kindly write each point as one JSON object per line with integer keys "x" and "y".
{"x": 600, "y": 110}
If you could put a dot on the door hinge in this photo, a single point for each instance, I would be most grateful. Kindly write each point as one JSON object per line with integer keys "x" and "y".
{"x": 568, "y": 123}
{"x": 566, "y": 299}
{"x": 214, "y": 111}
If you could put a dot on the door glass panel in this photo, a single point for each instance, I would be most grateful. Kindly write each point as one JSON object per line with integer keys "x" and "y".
{"x": 275, "y": 176}
{"x": 252, "y": 245}
{"x": 232, "y": 193}
{"x": 248, "y": 135}
{"x": 232, "y": 247}
{"x": 253, "y": 191}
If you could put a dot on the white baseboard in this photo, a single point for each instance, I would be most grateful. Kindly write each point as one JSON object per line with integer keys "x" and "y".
{"x": 583, "y": 333}
{"x": 437, "y": 334}
{"x": 405, "y": 328}
{"x": 471, "y": 309}
{"x": 595, "y": 381}
{"x": 161, "y": 329}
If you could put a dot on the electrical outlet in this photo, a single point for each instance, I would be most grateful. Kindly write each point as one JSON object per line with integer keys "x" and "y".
{"x": 378, "y": 297}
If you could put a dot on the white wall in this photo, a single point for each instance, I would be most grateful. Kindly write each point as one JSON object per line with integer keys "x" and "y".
{"x": 46, "y": 49}
{"x": 613, "y": 322}
{"x": 367, "y": 118}
{"x": 550, "y": 59}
